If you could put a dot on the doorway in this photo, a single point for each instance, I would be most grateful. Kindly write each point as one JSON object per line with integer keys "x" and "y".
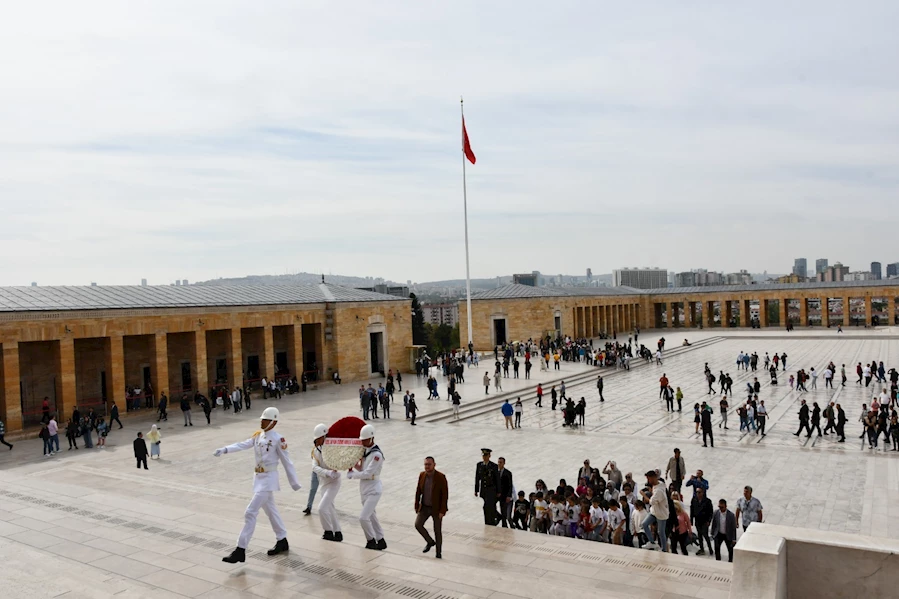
{"x": 499, "y": 331}
{"x": 146, "y": 375}
{"x": 185, "y": 376}
{"x": 281, "y": 362}
{"x": 253, "y": 368}
{"x": 221, "y": 370}
{"x": 376, "y": 343}
{"x": 103, "y": 385}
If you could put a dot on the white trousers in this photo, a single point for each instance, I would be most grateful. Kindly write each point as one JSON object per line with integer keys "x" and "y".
{"x": 266, "y": 501}
{"x": 327, "y": 513}
{"x": 368, "y": 518}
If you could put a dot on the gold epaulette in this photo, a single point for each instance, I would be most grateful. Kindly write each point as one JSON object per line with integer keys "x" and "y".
{"x": 257, "y": 433}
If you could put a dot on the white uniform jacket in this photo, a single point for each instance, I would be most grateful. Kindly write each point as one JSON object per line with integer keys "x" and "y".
{"x": 269, "y": 448}
{"x": 321, "y": 470}
{"x": 370, "y": 474}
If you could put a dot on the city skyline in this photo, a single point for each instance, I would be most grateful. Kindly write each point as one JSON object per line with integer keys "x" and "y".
{"x": 198, "y": 141}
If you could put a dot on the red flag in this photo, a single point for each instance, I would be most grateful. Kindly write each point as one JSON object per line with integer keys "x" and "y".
{"x": 466, "y": 146}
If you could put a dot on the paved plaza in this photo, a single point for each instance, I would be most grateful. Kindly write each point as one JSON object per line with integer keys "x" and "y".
{"x": 86, "y": 523}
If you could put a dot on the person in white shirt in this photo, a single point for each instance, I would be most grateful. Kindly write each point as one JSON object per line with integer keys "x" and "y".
{"x": 368, "y": 473}
{"x": 559, "y": 515}
{"x": 658, "y": 510}
{"x": 597, "y": 521}
{"x": 235, "y": 400}
{"x": 638, "y": 516}
{"x": 329, "y": 481}
{"x": 616, "y": 520}
{"x": 270, "y": 448}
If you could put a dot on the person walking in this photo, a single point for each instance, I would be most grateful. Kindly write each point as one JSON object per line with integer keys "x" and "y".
{"x": 761, "y": 414}
{"x": 269, "y": 448}
{"x": 749, "y": 507}
{"x": 330, "y": 482}
{"x": 53, "y": 429}
{"x": 679, "y": 396}
{"x": 161, "y": 408}
{"x": 701, "y": 512}
{"x": 497, "y": 382}
{"x": 413, "y": 409}
{"x": 816, "y": 417}
{"x": 114, "y": 415}
{"x": 803, "y": 420}
{"x": 431, "y": 496}
{"x": 2, "y": 434}
{"x": 368, "y": 473}
{"x": 657, "y": 500}
{"x": 206, "y": 405}
{"x": 723, "y": 406}
{"x": 486, "y": 486}
{"x": 841, "y": 424}
{"x": 706, "y": 424}
{"x": 44, "y": 435}
{"x": 154, "y": 437}
{"x": 724, "y": 530}
{"x": 507, "y": 411}
{"x": 185, "y": 410}
{"x": 539, "y": 403}
{"x": 599, "y": 386}
{"x": 140, "y": 450}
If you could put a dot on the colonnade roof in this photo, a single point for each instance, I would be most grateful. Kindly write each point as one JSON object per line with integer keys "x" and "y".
{"x": 27, "y": 299}
{"x": 518, "y": 291}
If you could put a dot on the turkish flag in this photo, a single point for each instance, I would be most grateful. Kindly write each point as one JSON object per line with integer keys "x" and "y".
{"x": 466, "y": 146}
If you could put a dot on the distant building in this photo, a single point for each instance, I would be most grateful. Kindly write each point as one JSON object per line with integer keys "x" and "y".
{"x": 34, "y": 283}
{"x": 93, "y": 284}
{"x": 859, "y": 276}
{"x": 184, "y": 282}
{"x": 178, "y": 282}
{"x": 738, "y": 278}
{"x": 396, "y": 291}
{"x": 793, "y": 278}
{"x": 641, "y": 278}
{"x": 834, "y": 273}
{"x": 800, "y": 267}
{"x": 875, "y": 270}
{"x": 699, "y": 277}
{"x": 437, "y": 314}
{"x": 529, "y": 279}
{"x": 143, "y": 282}
{"x": 893, "y": 270}
{"x": 820, "y": 265}
{"x": 589, "y": 275}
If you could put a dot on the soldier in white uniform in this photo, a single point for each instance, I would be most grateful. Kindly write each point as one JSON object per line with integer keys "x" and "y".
{"x": 368, "y": 473}
{"x": 269, "y": 448}
{"x": 329, "y": 481}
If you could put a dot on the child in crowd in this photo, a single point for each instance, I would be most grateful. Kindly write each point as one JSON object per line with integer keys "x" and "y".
{"x": 626, "y": 510}
{"x": 597, "y": 520}
{"x": 616, "y": 522}
{"x": 559, "y": 516}
{"x": 574, "y": 513}
{"x": 583, "y": 519}
{"x": 540, "y": 511}
{"x": 520, "y": 511}
{"x": 637, "y": 519}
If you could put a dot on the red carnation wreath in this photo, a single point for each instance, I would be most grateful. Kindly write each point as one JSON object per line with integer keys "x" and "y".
{"x": 343, "y": 449}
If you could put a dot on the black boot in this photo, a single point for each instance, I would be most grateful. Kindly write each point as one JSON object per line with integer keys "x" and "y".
{"x": 238, "y": 555}
{"x": 328, "y": 536}
{"x": 382, "y": 544}
{"x": 280, "y": 547}
{"x": 371, "y": 544}
{"x": 307, "y": 511}
{"x": 338, "y": 536}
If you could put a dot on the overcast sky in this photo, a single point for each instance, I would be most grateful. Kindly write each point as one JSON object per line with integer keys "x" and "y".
{"x": 212, "y": 139}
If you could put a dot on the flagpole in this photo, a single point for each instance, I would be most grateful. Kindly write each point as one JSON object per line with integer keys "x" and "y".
{"x": 465, "y": 208}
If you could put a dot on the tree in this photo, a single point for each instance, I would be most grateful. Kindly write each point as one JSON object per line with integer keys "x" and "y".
{"x": 419, "y": 333}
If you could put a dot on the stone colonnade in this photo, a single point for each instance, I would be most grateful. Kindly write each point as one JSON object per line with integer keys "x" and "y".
{"x": 593, "y": 320}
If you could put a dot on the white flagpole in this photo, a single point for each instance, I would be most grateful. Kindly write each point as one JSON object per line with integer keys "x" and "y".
{"x": 465, "y": 205}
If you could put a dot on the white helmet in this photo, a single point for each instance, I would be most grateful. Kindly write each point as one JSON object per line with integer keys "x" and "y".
{"x": 367, "y": 432}
{"x": 320, "y": 430}
{"x": 269, "y": 414}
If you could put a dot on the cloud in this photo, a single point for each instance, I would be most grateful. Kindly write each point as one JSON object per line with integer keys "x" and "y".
{"x": 165, "y": 140}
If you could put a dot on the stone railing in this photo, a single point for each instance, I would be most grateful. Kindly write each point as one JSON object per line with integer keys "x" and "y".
{"x": 781, "y": 562}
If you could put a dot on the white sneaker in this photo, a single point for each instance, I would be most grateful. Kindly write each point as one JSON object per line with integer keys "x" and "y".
{"x": 651, "y": 546}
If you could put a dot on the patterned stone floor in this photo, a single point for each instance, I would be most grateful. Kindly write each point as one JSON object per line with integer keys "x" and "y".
{"x": 86, "y": 523}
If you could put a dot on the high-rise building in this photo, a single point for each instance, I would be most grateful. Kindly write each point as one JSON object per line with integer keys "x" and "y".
{"x": 875, "y": 270}
{"x": 893, "y": 270}
{"x": 184, "y": 281}
{"x": 641, "y": 278}
{"x": 34, "y": 283}
{"x": 820, "y": 265}
{"x": 437, "y": 314}
{"x": 800, "y": 267}
{"x": 589, "y": 274}
{"x": 837, "y": 272}
{"x": 529, "y": 279}
{"x": 143, "y": 282}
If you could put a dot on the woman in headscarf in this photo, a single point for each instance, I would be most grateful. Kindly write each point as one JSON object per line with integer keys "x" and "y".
{"x": 154, "y": 438}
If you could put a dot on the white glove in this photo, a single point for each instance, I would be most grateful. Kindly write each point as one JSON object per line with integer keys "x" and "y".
{"x": 334, "y": 474}
{"x": 218, "y": 452}
{"x": 296, "y": 487}
{"x": 349, "y": 474}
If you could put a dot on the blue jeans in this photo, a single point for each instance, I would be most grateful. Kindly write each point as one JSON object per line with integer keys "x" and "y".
{"x": 313, "y": 488}
{"x": 663, "y": 540}
{"x": 48, "y": 446}
{"x": 54, "y": 442}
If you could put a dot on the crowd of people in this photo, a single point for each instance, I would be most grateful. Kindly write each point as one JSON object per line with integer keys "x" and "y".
{"x": 610, "y": 506}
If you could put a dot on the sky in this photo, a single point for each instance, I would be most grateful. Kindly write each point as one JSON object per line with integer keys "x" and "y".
{"x": 196, "y": 140}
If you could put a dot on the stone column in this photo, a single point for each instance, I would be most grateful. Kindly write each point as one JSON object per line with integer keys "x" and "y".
{"x": 235, "y": 358}
{"x": 689, "y": 313}
{"x": 115, "y": 372}
{"x": 595, "y": 321}
{"x": 891, "y": 311}
{"x": 869, "y": 310}
{"x": 745, "y": 313}
{"x": 728, "y": 312}
{"x": 825, "y": 312}
{"x": 803, "y": 310}
{"x": 615, "y": 321}
{"x": 763, "y": 313}
{"x": 267, "y": 360}
{"x": 159, "y": 373}
{"x": 709, "y": 315}
{"x": 12, "y": 393}
{"x": 672, "y": 315}
{"x": 295, "y": 351}
{"x": 847, "y": 311}
{"x": 782, "y": 311}
{"x": 65, "y": 386}
{"x": 201, "y": 383}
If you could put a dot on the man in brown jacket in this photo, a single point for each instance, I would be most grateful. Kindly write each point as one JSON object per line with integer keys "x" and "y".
{"x": 431, "y": 497}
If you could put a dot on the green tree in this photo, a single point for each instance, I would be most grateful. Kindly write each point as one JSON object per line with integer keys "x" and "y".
{"x": 419, "y": 333}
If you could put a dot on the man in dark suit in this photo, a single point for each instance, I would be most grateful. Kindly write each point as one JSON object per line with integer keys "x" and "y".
{"x": 140, "y": 451}
{"x": 701, "y": 512}
{"x": 486, "y": 486}
{"x": 431, "y": 497}
{"x": 724, "y": 530}
{"x": 506, "y": 491}
{"x": 803, "y": 420}
{"x": 705, "y": 419}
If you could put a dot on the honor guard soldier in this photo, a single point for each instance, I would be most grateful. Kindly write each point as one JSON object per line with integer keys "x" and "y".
{"x": 329, "y": 480}
{"x": 269, "y": 448}
{"x": 368, "y": 473}
{"x": 486, "y": 485}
